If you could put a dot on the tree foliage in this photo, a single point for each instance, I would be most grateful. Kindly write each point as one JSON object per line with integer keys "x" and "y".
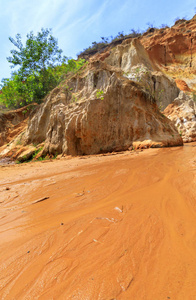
{"x": 39, "y": 53}
{"x": 40, "y": 67}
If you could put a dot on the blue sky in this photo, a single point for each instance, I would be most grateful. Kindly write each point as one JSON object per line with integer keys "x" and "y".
{"x": 77, "y": 23}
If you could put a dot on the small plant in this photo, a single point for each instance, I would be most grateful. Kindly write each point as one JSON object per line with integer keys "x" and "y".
{"x": 99, "y": 94}
{"x": 126, "y": 74}
{"x": 18, "y": 142}
{"x": 41, "y": 158}
{"x": 55, "y": 156}
{"x": 194, "y": 96}
{"x": 161, "y": 106}
{"x": 37, "y": 151}
{"x": 164, "y": 26}
{"x": 74, "y": 99}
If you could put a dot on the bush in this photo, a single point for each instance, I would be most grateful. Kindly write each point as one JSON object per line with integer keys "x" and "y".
{"x": 17, "y": 93}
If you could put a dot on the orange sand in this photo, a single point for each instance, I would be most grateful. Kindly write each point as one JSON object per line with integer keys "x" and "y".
{"x": 110, "y": 227}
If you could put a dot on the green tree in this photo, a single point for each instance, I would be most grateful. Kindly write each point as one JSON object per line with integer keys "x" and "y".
{"x": 39, "y": 53}
{"x": 35, "y": 75}
{"x": 41, "y": 67}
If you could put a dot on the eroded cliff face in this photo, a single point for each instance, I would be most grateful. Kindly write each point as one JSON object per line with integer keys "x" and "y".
{"x": 182, "y": 112}
{"x": 174, "y": 50}
{"x": 13, "y": 123}
{"x": 123, "y": 116}
{"x": 110, "y": 105}
{"x": 132, "y": 58}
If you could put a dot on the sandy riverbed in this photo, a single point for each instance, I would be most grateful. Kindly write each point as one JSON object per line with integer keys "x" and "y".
{"x": 102, "y": 227}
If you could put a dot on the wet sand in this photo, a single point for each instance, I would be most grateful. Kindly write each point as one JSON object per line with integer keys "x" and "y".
{"x": 103, "y": 227}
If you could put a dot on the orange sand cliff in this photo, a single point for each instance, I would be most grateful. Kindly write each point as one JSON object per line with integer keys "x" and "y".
{"x": 174, "y": 50}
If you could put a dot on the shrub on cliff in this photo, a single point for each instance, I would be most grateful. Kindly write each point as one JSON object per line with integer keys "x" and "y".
{"x": 107, "y": 41}
{"x": 40, "y": 68}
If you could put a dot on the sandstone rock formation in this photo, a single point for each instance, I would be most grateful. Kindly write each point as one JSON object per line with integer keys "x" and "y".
{"x": 132, "y": 78}
{"x": 182, "y": 85}
{"x": 173, "y": 45}
{"x": 174, "y": 50}
{"x": 125, "y": 115}
{"x": 12, "y": 123}
{"x": 183, "y": 114}
{"x": 134, "y": 61}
